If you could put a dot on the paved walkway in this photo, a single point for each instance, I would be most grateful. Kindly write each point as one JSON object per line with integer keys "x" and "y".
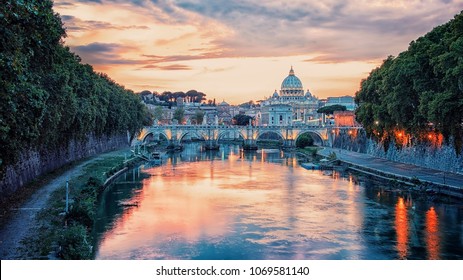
{"x": 24, "y": 222}
{"x": 407, "y": 171}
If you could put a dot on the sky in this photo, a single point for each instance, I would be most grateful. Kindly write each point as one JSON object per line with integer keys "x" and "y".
{"x": 242, "y": 50}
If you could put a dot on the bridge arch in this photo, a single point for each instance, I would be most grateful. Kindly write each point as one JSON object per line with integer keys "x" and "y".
{"x": 227, "y": 132}
{"x": 191, "y": 133}
{"x": 270, "y": 132}
{"x": 144, "y": 136}
{"x": 288, "y": 134}
{"x": 316, "y": 136}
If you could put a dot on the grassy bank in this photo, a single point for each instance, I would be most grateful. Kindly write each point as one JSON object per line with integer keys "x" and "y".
{"x": 68, "y": 235}
{"x": 310, "y": 152}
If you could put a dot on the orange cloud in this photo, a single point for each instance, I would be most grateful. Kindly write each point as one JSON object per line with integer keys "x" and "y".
{"x": 177, "y": 45}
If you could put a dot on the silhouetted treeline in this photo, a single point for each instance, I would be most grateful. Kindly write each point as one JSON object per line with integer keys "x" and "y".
{"x": 168, "y": 98}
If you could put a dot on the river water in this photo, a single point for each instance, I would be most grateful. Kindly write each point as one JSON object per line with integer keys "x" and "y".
{"x": 263, "y": 205}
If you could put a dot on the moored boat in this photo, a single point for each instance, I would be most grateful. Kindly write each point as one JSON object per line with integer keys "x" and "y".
{"x": 310, "y": 166}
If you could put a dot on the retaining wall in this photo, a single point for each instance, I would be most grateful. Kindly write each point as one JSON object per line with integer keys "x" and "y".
{"x": 32, "y": 163}
{"x": 442, "y": 158}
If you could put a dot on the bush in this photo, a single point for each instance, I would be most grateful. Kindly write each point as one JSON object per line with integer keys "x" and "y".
{"x": 304, "y": 141}
{"x": 312, "y": 151}
{"x": 92, "y": 188}
{"x": 73, "y": 243}
{"x": 81, "y": 212}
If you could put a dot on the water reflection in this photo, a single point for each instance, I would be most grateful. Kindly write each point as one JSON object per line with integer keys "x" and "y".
{"x": 260, "y": 205}
{"x": 401, "y": 225}
{"x": 432, "y": 234}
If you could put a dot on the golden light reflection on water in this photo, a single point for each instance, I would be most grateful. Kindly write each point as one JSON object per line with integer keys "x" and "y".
{"x": 401, "y": 226}
{"x": 210, "y": 200}
{"x": 432, "y": 234}
{"x": 263, "y": 206}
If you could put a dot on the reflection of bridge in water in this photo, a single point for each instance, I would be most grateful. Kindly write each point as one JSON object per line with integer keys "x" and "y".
{"x": 212, "y": 134}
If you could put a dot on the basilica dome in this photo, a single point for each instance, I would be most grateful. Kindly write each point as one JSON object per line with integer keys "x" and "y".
{"x": 291, "y": 85}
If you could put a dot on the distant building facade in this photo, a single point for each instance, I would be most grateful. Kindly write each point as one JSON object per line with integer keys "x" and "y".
{"x": 276, "y": 114}
{"x": 346, "y": 100}
{"x": 291, "y": 106}
{"x": 345, "y": 118}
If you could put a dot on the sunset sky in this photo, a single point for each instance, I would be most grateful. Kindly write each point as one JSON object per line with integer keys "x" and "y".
{"x": 242, "y": 50}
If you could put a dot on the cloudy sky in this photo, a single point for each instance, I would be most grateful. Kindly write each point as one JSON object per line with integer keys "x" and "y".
{"x": 242, "y": 50}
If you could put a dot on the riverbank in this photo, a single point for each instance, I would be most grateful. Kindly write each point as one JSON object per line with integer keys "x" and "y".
{"x": 446, "y": 183}
{"x": 32, "y": 229}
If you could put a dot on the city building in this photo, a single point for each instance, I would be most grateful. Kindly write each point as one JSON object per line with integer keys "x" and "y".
{"x": 224, "y": 113}
{"x": 345, "y": 118}
{"x": 291, "y": 105}
{"x": 346, "y": 100}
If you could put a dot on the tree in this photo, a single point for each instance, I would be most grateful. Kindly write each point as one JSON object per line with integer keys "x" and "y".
{"x": 199, "y": 97}
{"x": 420, "y": 92}
{"x": 145, "y": 92}
{"x": 178, "y": 94}
{"x": 241, "y": 119}
{"x": 158, "y": 113}
{"x": 166, "y": 96}
{"x": 48, "y": 98}
{"x": 331, "y": 109}
{"x": 198, "y": 117}
{"x": 304, "y": 140}
{"x": 179, "y": 115}
{"x": 248, "y": 104}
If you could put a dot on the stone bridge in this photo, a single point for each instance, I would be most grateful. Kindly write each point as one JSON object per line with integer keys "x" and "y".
{"x": 322, "y": 135}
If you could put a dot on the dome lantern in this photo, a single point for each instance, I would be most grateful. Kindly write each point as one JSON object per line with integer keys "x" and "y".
{"x": 291, "y": 85}
{"x": 291, "y": 72}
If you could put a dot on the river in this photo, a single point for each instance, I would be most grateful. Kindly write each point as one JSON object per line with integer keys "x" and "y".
{"x": 262, "y": 205}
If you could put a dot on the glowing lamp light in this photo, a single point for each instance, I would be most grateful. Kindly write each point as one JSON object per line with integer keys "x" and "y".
{"x": 350, "y": 131}
{"x": 429, "y": 136}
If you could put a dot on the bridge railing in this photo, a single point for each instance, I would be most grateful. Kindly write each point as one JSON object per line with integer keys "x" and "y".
{"x": 254, "y": 126}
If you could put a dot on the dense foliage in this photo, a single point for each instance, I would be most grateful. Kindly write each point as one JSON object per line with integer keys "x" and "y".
{"x": 47, "y": 97}
{"x": 331, "y": 109}
{"x": 241, "y": 119}
{"x": 420, "y": 92}
{"x": 179, "y": 115}
{"x": 169, "y": 98}
{"x": 198, "y": 117}
{"x": 304, "y": 140}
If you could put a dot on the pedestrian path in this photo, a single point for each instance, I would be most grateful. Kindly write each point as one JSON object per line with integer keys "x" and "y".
{"x": 450, "y": 182}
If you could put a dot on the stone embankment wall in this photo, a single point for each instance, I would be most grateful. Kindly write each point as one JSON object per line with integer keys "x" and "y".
{"x": 33, "y": 163}
{"x": 357, "y": 142}
{"x": 442, "y": 158}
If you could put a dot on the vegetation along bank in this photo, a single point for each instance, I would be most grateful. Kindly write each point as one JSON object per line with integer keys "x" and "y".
{"x": 53, "y": 108}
